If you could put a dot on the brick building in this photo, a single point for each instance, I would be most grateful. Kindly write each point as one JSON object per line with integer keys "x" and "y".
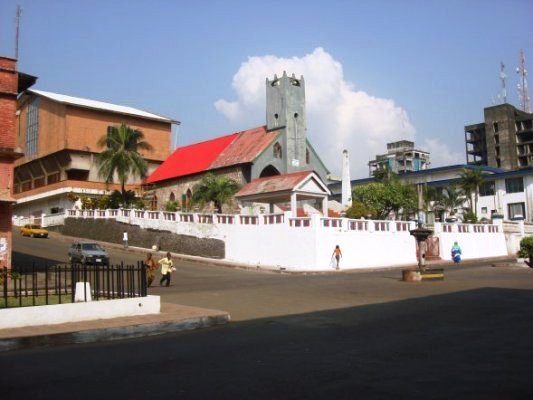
{"x": 12, "y": 83}
{"x": 58, "y": 135}
{"x": 280, "y": 147}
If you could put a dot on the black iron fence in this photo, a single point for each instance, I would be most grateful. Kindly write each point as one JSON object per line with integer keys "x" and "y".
{"x": 32, "y": 286}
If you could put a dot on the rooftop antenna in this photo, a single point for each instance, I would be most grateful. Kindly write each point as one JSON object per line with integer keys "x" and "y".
{"x": 523, "y": 94}
{"x": 17, "y": 34}
{"x": 503, "y": 77}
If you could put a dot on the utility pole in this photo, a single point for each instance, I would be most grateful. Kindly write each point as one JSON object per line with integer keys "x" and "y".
{"x": 17, "y": 34}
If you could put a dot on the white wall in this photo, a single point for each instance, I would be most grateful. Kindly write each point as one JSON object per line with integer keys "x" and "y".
{"x": 74, "y": 312}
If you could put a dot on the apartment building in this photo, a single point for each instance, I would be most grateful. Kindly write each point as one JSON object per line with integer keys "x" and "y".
{"x": 401, "y": 157}
{"x": 504, "y": 140}
{"x": 58, "y": 135}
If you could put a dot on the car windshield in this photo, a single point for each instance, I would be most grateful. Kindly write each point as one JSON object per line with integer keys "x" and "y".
{"x": 90, "y": 246}
{"x": 35, "y": 226}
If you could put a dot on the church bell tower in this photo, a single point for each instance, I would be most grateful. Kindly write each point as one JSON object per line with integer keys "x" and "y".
{"x": 285, "y": 112}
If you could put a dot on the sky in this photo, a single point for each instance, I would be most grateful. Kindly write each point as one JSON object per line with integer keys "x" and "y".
{"x": 375, "y": 71}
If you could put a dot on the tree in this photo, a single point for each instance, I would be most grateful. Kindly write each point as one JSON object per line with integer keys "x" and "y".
{"x": 121, "y": 156}
{"x": 453, "y": 198}
{"x": 470, "y": 180}
{"x": 386, "y": 197}
{"x": 215, "y": 188}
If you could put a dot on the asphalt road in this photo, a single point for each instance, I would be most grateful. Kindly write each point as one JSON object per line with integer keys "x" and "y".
{"x": 339, "y": 335}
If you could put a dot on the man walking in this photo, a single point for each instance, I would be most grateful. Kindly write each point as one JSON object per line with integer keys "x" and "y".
{"x": 125, "y": 239}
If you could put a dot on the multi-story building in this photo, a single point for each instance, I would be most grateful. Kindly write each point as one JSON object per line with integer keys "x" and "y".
{"x": 12, "y": 83}
{"x": 58, "y": 135}
{"x": 504, "y": 140}
{"x": 401, "y": 157}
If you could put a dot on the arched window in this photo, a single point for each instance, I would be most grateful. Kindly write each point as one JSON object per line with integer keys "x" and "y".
{"x": 171, "y": 197}
{"x": 153, "y": 203}
{"x": 277, "y": 150}
{"x": 269, "y": 170}
{"x": 189, "y": 198}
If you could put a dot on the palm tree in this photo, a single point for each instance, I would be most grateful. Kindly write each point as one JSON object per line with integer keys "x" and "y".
{"x": 121, "y": 155}
{"x": 452, "y": 198}
{"x": 215, "y": 188}
{"x": 469, "y": 181}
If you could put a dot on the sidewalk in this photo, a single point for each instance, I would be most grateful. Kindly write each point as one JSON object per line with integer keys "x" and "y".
{"x": 173, "y": 318}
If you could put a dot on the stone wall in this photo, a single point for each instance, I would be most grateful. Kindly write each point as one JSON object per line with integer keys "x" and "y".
{"x": 111, "y": 231}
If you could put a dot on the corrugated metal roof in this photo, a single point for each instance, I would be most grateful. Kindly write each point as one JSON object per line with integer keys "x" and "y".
{"x": 237, "y": 148}
{"x": 277, "y": 183}
{"x": 100, "y": 105}
{"x": 191, "y": 159}
{"x": 248, "y": 145}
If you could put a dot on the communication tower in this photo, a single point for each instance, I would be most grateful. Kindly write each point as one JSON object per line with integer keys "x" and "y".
{"x": 503, "y": 77}
{"x": 523, "y": 94}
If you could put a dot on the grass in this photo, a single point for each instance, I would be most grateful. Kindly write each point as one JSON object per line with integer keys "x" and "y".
{"x": 27, "y": 301}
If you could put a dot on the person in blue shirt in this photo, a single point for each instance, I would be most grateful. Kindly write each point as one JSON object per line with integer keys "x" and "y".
{"x": 456, "y": 253}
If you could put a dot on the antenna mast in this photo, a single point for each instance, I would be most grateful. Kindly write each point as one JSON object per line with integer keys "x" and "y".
{"x": 17, "y": 34}
{"x": 503, "y": 77}
{"x": 523, "y": 94}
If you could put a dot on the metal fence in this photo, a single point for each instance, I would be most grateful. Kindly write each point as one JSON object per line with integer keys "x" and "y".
{"x": 34, "y": 285}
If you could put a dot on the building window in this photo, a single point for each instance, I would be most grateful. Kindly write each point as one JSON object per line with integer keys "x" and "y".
{"x": 487, "y": 189}
{"x": 32, "y": 127}
{"x": 153, "y": 203}
{"x": 53, "y": 178}
{"x": 307, "y": 156}
{"x": 495, "y": 127}
{"x": 277, "y": 150}
{"x": 516, "y": 210}
{"x": 483, "y": 210}
{"x": 39, "y": 182}
{"x": 172, "y": 197}
{"x": 514, "y": 185}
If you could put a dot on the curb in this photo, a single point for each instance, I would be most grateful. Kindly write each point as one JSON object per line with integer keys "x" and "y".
{"x": 113, "y": 333}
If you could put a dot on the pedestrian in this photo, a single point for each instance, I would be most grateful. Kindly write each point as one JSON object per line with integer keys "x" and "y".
{"x": 150, "y": 266}
{"x": 167, "y": 267}
{"x": 125, "y": 239}
{"x": 456, "y": 253}
{"x": 337, "y": 253}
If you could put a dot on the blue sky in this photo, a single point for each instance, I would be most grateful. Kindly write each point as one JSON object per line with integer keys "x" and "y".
{"x": 375, "y": 71}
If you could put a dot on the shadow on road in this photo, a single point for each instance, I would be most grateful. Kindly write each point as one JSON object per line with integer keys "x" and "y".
{"x": 22, "y": 262}
{"x": 472, "y": 344}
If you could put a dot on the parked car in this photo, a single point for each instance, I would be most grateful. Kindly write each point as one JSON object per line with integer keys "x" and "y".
{"x": 33, "y": 231}
{"x": 88, "y": 253}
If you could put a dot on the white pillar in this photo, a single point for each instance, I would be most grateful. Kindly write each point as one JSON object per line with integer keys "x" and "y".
{"x": 346, "y": 197}
{"x": 294, "y": 205}
{"x": 325, "y": 206}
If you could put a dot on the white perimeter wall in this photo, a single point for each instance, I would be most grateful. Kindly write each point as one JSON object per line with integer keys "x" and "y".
{"x": 307, "y": 244}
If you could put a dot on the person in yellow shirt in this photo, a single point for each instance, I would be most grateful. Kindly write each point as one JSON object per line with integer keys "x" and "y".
{"x": 167, "y": 266}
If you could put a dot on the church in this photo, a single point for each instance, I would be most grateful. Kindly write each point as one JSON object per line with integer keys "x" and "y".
{"x": 274, "y": 158}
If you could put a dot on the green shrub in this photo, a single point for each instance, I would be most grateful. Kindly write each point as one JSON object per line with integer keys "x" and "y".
{"x": 171, "y": 206}
{"x": 358, "y": 210}
{"x": 526, "y": 247}
{"x": 469, "y": 217}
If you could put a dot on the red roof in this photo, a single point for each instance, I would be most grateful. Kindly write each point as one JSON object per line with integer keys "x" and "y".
{"x": 277, "y": 183}
{"x": 237, "y": 148}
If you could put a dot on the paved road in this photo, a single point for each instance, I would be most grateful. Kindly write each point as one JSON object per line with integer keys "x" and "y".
{"x": 341, "y": 335}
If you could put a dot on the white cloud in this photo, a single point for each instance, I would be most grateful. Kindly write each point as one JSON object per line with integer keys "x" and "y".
{"x": 338, "y": 116}
{"x": 441, "y": 154}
